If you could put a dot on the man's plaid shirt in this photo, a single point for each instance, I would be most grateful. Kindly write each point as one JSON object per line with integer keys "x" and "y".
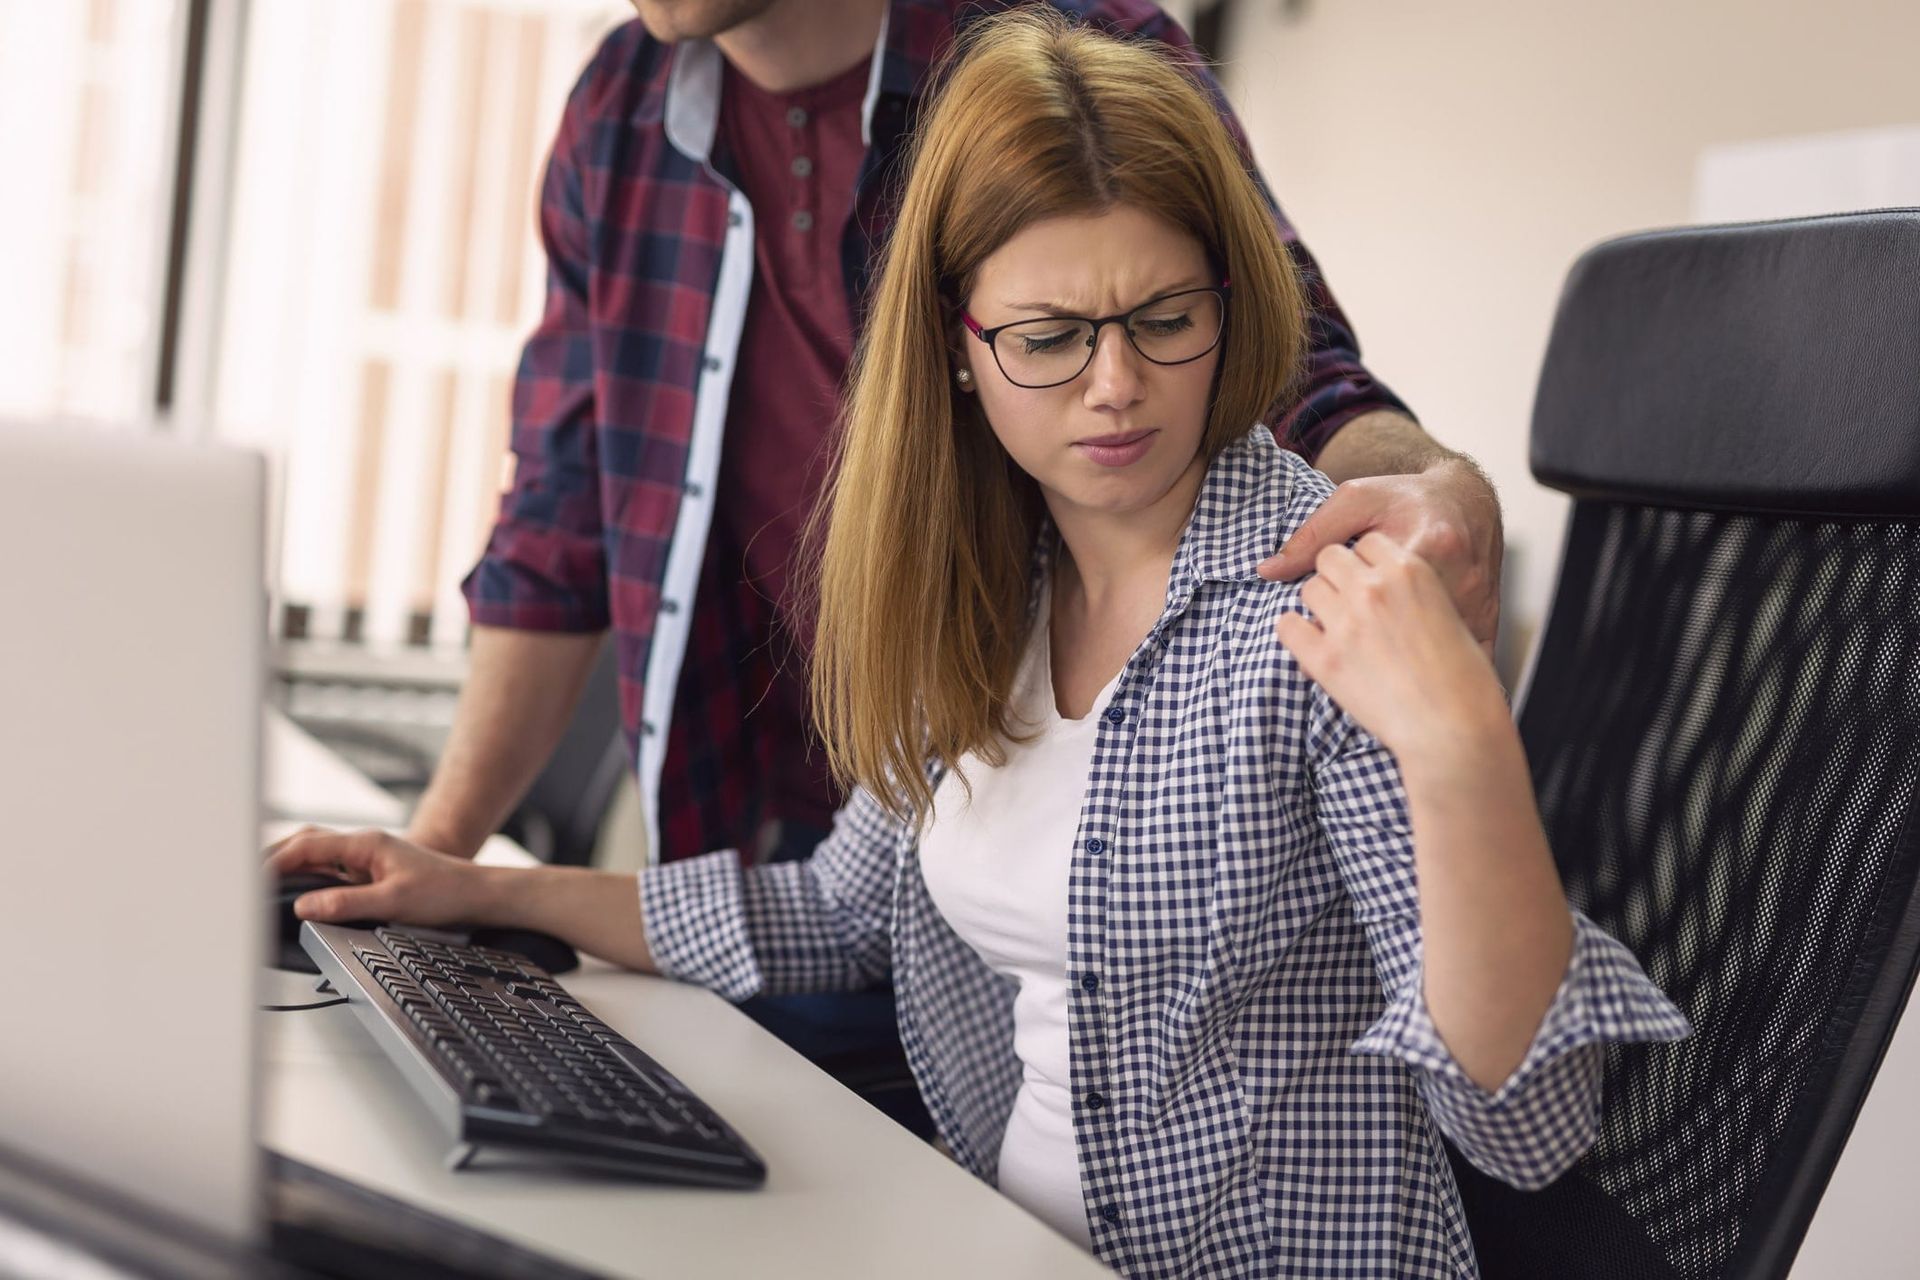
{"x": 621, "y": 400}
{"x": 1258, "y": 1088}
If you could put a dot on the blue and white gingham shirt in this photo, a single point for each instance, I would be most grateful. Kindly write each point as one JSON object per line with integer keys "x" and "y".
{"x": 1258, "y": 1087}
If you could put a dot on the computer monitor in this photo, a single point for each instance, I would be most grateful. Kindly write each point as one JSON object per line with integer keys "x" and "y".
{"x": 132, "y": 632}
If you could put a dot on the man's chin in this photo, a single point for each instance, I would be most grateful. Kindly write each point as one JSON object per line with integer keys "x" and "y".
{"x": 670, "y": 20}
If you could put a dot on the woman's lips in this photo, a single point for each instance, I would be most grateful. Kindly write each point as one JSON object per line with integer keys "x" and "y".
{"x": 1117, "y": 450}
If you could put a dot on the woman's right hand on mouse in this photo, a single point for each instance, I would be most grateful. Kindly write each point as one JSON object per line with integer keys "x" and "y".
{"x": 394, "y": 880}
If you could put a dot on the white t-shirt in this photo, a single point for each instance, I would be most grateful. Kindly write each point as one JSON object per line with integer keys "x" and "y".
{"x": 997, "y": 869}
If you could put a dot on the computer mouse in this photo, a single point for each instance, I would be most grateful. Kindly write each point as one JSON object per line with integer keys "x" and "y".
{"x": 289, "y": 953}
{"x": 543, "y": 949}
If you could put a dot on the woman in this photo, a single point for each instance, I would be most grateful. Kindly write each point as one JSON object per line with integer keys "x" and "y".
{"x": 1200, "y": 941}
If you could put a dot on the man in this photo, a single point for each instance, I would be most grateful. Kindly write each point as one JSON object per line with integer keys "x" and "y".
{"x": 717, "y": 191}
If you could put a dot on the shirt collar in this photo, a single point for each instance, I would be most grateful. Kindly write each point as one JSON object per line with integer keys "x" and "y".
{"x": 1240, "y": 513}
{"x": 1238, "y": 520}
{"x": 693, "y": 87}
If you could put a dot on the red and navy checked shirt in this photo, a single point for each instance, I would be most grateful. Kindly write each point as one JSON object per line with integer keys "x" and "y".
{"x": 621, "y": 398}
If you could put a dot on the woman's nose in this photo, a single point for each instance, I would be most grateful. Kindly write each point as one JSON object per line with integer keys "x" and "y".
{"x": 1116, "y": 377}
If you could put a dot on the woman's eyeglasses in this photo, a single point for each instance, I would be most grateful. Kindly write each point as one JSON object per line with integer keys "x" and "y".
{"x": 1172, "y": 329}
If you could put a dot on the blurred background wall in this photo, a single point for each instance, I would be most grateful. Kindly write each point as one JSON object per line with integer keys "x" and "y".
{"x": 1447, "y": 163}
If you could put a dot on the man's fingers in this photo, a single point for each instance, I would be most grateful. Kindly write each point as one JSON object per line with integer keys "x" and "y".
{"x": 1351, "y": 511}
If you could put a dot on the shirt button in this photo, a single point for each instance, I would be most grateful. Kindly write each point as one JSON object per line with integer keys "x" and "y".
{"x": 647, "y": 729}
{"x": 1096, "y": 1100}
{"x": 1111, "y": 1213}
{"x": 1096, "y": 846}
{"x": 669, "y": 606}
{"x": 713, "y": 364}
{"x": 693, "y": 489}
{"x": 1089, "y": 983}
{"x": 796, "y": 116}
{"x": 1115, "y": 715}
{"x": 734, "y": 219}
{"x": 802, "y": 166}
{"x": 803, "y": 221}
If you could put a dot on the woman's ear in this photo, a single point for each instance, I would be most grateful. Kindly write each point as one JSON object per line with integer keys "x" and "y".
{"x": 957, "y": 362}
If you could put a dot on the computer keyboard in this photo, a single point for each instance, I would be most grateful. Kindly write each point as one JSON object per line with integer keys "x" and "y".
{"x": 509, "y": 1062}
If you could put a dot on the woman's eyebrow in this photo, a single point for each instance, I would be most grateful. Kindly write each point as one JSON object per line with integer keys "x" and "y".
{"x": 1055, "y": 309}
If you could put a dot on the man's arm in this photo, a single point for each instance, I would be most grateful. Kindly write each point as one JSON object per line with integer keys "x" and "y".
{"x": 1396, "y": 479}
{"x": 519, "y": 696}
{"x": 538, "y": 596}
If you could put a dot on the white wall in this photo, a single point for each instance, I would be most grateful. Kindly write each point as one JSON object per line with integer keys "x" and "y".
{"x": 1447, "y": 162}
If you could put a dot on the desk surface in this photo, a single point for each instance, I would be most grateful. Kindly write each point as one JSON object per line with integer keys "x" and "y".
{"x": 849, "y": 1193}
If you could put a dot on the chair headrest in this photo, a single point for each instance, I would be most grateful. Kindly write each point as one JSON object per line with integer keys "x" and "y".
{"x": 1765, "y": 367}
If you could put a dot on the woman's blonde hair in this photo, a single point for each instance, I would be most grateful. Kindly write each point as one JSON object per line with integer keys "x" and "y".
{"x": 924, "y": 545}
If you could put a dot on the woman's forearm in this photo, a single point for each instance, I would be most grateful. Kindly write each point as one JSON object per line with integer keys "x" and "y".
{"x": 1497, "y": 932}
{"x": 593, "y": 911}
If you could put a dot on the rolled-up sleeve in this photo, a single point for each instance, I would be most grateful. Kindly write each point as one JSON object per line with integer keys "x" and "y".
{"x": 544, "y": 567}
{"x": 820, "y": 924}
{"x": 1544, "y": 1116}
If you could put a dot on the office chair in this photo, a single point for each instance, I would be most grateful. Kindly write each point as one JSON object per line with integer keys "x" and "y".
{"x": 1722, "y": 722}
{"x": 558, "y": 821}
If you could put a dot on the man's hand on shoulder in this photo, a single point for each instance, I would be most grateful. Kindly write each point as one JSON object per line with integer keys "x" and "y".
{"x": 1445, "y": 512}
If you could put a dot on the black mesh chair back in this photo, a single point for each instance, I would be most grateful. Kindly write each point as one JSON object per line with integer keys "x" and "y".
{"x": 1721, "y": 722}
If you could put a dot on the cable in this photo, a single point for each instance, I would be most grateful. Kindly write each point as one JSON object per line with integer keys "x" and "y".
{"x": 295, "y": 1008}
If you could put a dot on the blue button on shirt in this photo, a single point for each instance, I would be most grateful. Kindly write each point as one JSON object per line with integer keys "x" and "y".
{"x": 1274, "y": 1090}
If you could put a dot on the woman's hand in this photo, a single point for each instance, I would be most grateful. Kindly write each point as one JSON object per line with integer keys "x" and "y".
{"x": 1385, "y": 641}
{"x": 394, "y": 881}
{"x": 1496, "y": 934}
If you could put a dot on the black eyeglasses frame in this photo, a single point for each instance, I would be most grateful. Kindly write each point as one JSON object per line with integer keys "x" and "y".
{"x": 1223, "y": 291}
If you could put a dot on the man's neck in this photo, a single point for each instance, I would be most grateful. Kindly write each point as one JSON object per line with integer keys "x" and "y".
{"x": 800, "y": 43}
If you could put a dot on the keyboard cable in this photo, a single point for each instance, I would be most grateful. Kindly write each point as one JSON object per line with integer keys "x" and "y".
{"x": 325, "y": 986}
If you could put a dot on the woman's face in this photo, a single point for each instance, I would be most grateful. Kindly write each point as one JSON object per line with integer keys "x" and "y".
{"x": 1119, "y": 437}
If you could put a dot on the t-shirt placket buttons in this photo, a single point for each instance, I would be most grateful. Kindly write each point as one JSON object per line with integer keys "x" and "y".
{"x": 801, "y": 219}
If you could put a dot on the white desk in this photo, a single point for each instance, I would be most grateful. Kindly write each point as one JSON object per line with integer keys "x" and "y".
{"x": 849, "y": 1193}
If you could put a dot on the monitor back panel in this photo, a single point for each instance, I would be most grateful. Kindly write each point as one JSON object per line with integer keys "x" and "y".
{"x": 131, "y": 650}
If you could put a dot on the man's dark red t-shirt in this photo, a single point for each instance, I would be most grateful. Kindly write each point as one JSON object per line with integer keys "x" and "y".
{"x": 796, "y": 157}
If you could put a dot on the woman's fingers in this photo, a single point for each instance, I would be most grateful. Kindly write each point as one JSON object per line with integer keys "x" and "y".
{"x": 351, "y": 853}
{"x": 353, "y": 902}
{"x": 1337, "y": 566}
{"x": 284, "y": 841}
{"x": 1303, "y": 638}
{"x": 1376, "y": 548}
{"x": 1320, "y": 598}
